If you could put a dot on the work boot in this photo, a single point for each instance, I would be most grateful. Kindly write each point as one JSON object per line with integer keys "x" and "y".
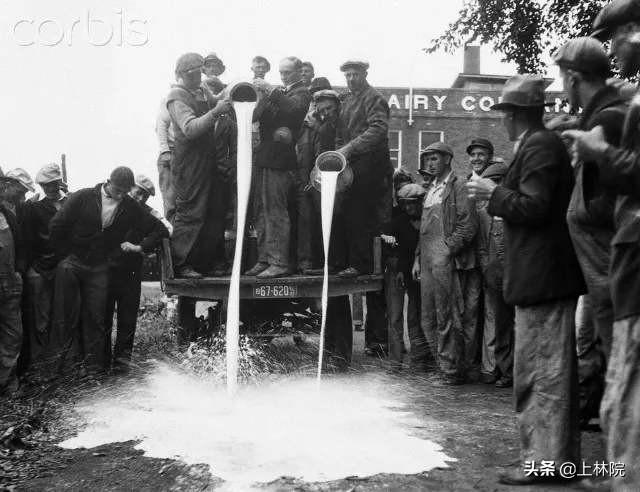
{"x": 349, "y": 273}
{"x": 504, "y": 382}
{"x": 273, "y": 271}
{"x": 188, "y": 272}
{"x": 257, "y": 268}
{"x": 488, "y": 378}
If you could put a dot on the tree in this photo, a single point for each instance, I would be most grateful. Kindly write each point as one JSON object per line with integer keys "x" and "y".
{"x": 521, "y": 30}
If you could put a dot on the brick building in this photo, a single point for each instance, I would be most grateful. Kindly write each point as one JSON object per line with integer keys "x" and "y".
{"x": 420, "y": 116}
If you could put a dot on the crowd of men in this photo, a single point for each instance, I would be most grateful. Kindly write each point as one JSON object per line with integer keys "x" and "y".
{"x": 68, "y": 262}
{"x": 502, "y": 265}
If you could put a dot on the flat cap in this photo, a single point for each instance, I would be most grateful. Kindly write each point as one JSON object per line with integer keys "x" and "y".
{"x": 411, "y": 191}
{"x": 523, "y": 91}
{"x": 319, "y": 84}
{"x": 357, "y": 64}
{"x": 21, "y": 176}
{"x": 584, "y": 54}
{"x": 145, "y": 183}
{"x": 482, "y": 143}
{"x": 440, "y": 147}
{"x": 326, "y": 94}
{"x": 495, "y": 169}
{"x": 613, "y": 15}
{"x": 49, "y": 174}
{"x": 188, "y": 62}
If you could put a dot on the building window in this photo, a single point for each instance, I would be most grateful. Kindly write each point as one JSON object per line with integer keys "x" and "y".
{"x": 395, "y": 147}
{"x": 426, "y": 138}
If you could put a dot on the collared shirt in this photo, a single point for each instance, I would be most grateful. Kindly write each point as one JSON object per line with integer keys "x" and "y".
{"x": 109, "y": 207}
{"x": 517, "y": 143}
{"x": 435, "y": 191}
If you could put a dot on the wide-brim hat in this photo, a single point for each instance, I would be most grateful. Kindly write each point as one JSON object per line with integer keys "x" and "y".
{"x": 523, "y": 91}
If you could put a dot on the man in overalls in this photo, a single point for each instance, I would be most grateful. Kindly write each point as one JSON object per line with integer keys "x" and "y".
{"x": 445, "y": 249}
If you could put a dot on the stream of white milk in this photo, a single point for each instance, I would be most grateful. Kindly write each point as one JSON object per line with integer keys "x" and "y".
{"x": 328, "y": 180}
{"x": 244, "y": 115}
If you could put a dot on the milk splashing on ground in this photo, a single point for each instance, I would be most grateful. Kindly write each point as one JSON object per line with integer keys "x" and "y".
{"x": 351, "y": 426}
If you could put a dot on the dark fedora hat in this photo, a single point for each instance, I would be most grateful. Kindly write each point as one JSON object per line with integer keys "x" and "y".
{"x": 523, "y": 91}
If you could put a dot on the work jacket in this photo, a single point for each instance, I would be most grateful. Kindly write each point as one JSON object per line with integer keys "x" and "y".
{"x": 363, "y": 127}
{"x": 37, "y": 216}
{"x": 490, "y": 240}
{"x": 76, "y": 229}
{"x": 619, "y": 171}
{"x": 459, "y": 223}
{"x": 540, "y": 262}
{"x": 591, "y": 209}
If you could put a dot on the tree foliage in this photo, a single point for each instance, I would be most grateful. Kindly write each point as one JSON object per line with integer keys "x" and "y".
{"x": 521, "y": 30}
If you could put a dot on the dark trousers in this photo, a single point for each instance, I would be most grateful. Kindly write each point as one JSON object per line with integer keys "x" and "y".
{"x": 80, "y": 299}
{"x": 10, "y": 325}
{"x": 375, "y": 323}
{"x": 497, "y": 346}
{"x": 362, "y": 223}
{"x": 275, "y": 193}
{"x": 124, "y": 299}
{"x": 310, "y": 249}
{"x": 39, "y": 291}
{"x": 395, "y": 295}
{"x": 339, "y": 332}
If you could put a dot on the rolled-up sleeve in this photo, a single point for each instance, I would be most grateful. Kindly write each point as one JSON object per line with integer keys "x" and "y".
{"x": 185, "y": 118}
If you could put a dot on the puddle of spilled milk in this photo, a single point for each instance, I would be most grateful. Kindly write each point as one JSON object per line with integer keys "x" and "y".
{"x": 290, "y": 427}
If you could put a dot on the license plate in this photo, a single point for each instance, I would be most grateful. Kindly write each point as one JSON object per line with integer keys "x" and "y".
{"x": 271, "y": 291}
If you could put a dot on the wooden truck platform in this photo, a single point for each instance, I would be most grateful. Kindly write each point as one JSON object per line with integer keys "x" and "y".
{"x": 290, "y": 287}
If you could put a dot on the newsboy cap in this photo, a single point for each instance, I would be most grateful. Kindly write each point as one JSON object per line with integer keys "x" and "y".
{"x": 523, "y": 91}
{"x": 19, "y": 175}
{"x": 440, "y": 147}
{"x": 585, "y": 55}
{"x": 188, "y": 62}
{"x": 497, "y": 169}
{"x": 613, "y": 15}
{"x": 357, "y": 64}
{"x": 482, "y": 143}
{"x": 145, "y": 183}
{"x": 411, "y": 191}
{"x": 326, "y": 94}
{"x": 319, "y": 84}
{"x": 49, "y": 174}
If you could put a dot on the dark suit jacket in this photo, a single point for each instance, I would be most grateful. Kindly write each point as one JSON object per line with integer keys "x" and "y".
{"x": 540, "y": 262}
{"x": 77, "y": 228}
{"x": 281, "y": 109}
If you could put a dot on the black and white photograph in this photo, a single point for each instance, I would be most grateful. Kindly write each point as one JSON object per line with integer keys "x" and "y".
{"x": 348, "y": 246}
